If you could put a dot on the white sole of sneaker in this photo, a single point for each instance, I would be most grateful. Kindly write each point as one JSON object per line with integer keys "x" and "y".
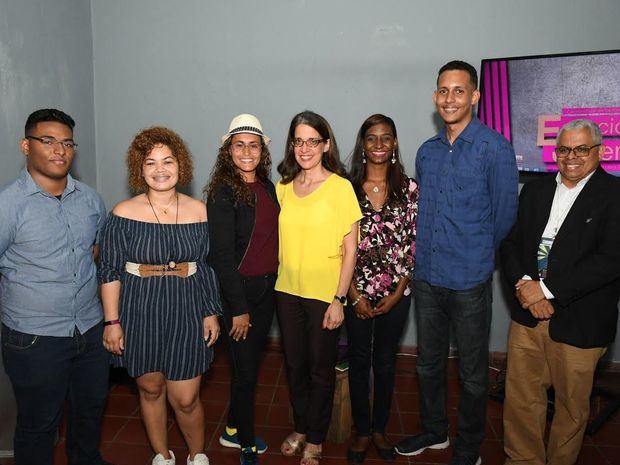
{"x": 442, "y": 445}
{"x": 234, "y": 445}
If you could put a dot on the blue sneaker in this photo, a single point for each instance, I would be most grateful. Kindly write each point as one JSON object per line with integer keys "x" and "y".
{"x": 232, "y": 440}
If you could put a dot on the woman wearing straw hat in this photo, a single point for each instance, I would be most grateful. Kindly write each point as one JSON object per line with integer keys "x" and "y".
{"x": 243, "y": 225}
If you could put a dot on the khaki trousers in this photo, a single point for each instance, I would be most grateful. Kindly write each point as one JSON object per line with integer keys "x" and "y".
{"x": 536, "y": 362}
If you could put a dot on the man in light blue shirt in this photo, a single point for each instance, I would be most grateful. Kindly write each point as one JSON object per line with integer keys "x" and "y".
{"x": 51, "y": 314}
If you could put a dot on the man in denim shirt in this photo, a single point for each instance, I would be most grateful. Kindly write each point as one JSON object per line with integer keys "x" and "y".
{"x": 468, "y": 201}
{"x": 51, "y": 315}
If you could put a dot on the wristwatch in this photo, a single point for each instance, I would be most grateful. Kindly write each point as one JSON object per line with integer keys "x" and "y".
{"x": 341, "y": 298}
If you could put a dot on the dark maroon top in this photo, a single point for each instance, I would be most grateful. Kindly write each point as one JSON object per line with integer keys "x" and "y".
{"x": 261, "y": 257}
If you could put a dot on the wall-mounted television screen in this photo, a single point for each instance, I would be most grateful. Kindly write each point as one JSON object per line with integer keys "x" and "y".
{"x": 527, "y": 99}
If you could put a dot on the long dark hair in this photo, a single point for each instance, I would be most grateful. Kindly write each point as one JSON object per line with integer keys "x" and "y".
{"x": 288, "y": 168}
{"x": 396, "y": 171}
{"x": 225, "y": 173}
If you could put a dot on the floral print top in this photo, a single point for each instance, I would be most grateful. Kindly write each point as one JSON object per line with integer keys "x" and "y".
{"x": 387, "y": 244}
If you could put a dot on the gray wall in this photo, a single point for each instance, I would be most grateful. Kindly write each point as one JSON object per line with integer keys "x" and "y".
{"x": 193, "y": 65}
{"x": 46, "y": 60}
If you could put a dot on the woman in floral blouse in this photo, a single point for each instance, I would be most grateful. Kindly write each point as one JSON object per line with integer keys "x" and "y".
{"x": 379, "y": 296}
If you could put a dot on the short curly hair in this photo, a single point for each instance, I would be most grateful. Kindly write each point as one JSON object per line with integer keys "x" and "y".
{"x": 142, "y": 145}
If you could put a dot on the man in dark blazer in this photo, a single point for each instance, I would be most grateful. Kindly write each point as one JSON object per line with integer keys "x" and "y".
{"x": 562, "y": 258}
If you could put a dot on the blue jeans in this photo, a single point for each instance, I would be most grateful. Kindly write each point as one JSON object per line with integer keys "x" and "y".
{"x": 45, "y": 371}
{"x": 468, "y": 313}
{"x": 374, "y": 343}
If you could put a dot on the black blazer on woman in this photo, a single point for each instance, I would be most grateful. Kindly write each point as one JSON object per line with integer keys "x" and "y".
{"x": 583, "y": 271}
{"x": 230, "y": 228}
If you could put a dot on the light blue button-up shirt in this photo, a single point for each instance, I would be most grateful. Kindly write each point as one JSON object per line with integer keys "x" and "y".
{"x": 468, "y": 203}
{"x": 48, "y": 282}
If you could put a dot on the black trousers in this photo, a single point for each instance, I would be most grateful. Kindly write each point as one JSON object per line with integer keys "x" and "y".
{"x": 373, "y": 343}
{"x": 245, "y": 354}
{"x": 310, "y": 354}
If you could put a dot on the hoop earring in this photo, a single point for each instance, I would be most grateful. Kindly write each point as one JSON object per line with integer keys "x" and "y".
{"x": 393, "y": 157}
{"x": 363, "y": 157}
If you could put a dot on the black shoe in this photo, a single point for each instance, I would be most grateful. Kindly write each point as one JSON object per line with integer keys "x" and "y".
{"x": 387, "y": 454}
{"x": 415, "y": 445}
{"x": 248, "y": 457}
{"x": 356, "y": 457}
{"x": 466, "y": 460}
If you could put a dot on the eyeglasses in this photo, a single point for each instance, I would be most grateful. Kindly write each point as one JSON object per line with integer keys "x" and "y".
{"x": 50, "y": 142}
{"x": 241, "y": 146}
{"x": 312, "y": 142}
{"x": 581, "y": 151}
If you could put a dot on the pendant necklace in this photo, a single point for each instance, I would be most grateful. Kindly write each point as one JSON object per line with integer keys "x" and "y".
{"x": 165, "y": 209}
{"x": 376, "y": 188}
{"x": 171, "y": 263}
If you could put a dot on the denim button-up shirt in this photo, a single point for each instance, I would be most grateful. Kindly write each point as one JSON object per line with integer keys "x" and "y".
{"x": 468, "y": 203}
{"x": 48, "y": 285}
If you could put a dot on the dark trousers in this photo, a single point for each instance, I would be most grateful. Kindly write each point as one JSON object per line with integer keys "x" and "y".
{"x": 468, "y": 313}
{"x": 45, "y": 371}
{"x": 245, "y": 354}
{"x": 374, "y": 343}
{"x": 310, "y": 354}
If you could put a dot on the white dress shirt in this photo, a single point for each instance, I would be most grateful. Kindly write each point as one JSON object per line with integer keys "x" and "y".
{"x": 563, "y": 201}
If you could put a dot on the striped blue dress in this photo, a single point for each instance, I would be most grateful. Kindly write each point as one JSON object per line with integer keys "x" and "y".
{"x": 162, "y": 316}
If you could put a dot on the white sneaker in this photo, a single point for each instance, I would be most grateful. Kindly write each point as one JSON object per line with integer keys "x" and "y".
{"x": 160, "y": 460}
{"x": 199, "y": 459}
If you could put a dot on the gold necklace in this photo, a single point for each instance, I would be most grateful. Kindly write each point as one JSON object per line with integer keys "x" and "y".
{"x": 171, "y": 264}
{"x": 165, "y": 209}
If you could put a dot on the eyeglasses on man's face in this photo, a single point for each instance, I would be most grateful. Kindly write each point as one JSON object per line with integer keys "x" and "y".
{"x": 51, "y": 142}
{"x": 312, "y": 142}
{"x": 581, "y": 151}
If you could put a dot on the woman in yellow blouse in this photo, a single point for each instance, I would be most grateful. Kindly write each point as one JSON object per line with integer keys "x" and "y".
{"x": 318, "y": 228}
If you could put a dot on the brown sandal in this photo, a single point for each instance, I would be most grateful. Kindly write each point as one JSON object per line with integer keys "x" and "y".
{"x": 291, "y": 446}
{"x": 310, "y": 457}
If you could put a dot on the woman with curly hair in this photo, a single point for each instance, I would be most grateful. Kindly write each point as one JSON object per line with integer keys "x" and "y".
{"x": 318, "y": 234}
{"x": 160, "y": 297}
{"x": 379, "y": 296}
{"x": 243, "y": 224}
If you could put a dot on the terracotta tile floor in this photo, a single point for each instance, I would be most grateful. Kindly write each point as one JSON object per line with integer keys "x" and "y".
{"x": 124, "y": 441}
